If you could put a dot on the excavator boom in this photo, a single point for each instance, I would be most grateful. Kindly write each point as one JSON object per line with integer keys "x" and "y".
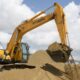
{"x": 36, "y": 21}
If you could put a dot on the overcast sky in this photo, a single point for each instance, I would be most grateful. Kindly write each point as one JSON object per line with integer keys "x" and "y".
{"x": 13, "y": 12}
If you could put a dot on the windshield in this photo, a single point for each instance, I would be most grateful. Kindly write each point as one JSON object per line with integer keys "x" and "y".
{"x": 24, "y": 52}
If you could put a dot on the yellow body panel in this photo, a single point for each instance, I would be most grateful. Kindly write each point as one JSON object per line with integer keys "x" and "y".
{"x": 2, "y": 54}
{"x": 18, "y": 56}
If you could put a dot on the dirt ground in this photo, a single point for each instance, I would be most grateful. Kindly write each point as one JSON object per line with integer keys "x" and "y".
{"x": 39, "y": 67}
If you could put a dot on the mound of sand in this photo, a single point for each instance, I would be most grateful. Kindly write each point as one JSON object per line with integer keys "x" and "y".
{"x": 40, "y": 58}
{"x": 45, "y": 69}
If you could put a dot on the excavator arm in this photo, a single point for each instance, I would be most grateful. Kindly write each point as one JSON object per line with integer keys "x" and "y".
{"x": 25, "y": 27}
{"x": 60, "y": 22}
{"x": 36, "y": 21}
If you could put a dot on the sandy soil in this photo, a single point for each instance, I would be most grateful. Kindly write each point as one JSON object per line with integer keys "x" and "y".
{"x": 45, "y": 69}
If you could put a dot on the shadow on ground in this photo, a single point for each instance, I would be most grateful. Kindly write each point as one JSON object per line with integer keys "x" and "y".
{"x": 16, "y": 66}
{"x": 55, "y": 71}
{"x": 50, "y": 68}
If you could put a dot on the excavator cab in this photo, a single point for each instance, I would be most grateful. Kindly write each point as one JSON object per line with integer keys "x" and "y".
{"x": 20, "y": 55}
{"x": 25, "y": 52}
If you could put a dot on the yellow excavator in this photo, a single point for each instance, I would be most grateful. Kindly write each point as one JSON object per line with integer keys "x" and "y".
{"x": 18, "y": 52}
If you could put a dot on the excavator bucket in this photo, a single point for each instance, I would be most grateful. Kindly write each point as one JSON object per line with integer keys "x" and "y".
{"x": 59, "y": 52}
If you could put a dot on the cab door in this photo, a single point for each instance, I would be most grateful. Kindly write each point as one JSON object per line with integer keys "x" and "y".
{"x": 25, "y": 52}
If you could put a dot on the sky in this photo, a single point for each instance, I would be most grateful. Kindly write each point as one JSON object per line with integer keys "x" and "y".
{"x": 14, "y": 12}
{"x": 37, "y": 5}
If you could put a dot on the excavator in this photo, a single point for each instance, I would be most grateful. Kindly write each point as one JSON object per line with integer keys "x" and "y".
{"x": 17, "y": 51}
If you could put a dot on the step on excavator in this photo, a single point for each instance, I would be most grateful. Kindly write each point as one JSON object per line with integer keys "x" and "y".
{"x": 18, "y": 52}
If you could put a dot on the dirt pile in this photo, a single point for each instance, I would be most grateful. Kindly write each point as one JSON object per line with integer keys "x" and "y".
{"x": 40, "y": 58}
{"x": 45, "y": 69}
